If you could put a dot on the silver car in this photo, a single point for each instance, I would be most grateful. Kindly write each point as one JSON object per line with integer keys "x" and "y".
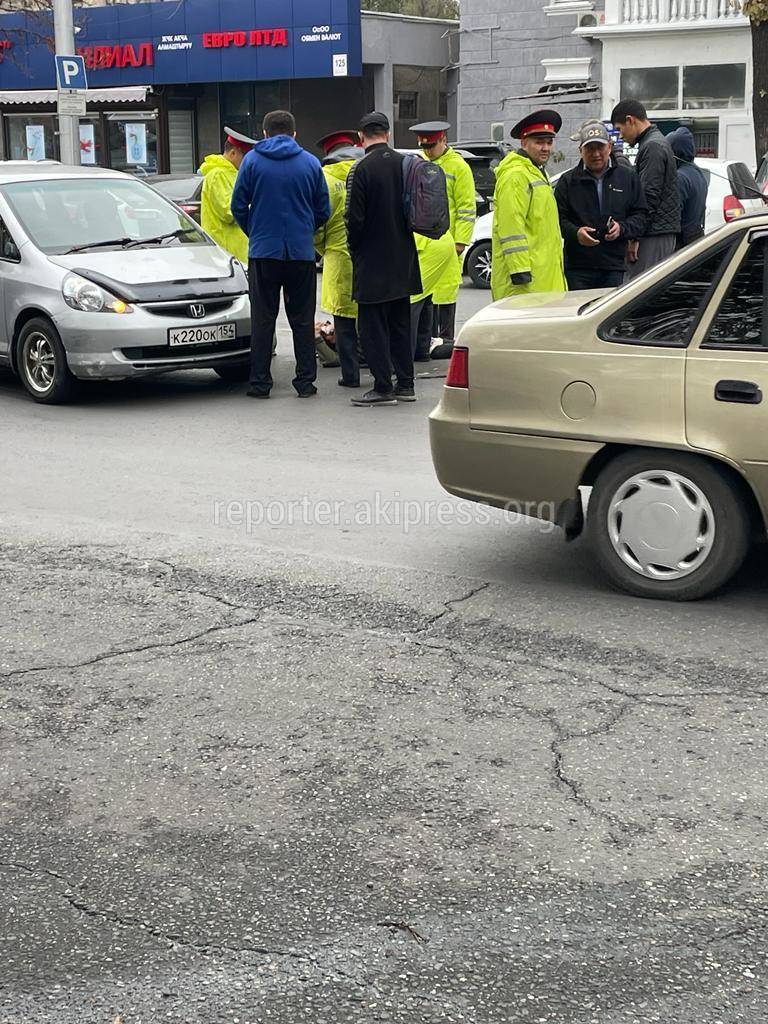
{"x": 103, "y": 278}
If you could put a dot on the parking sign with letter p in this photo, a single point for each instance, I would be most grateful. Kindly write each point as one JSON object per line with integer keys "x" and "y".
{"x": 70, "y": 72}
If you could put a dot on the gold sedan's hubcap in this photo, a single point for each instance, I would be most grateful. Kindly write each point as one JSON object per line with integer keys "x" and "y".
{"x": 661, "y": 525}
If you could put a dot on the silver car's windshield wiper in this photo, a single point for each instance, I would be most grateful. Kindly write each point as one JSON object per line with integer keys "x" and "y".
{"x": 98, "y": 245}
{"x": 178, "y": 233}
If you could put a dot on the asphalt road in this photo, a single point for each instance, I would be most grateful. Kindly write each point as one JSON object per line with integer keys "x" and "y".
{"x": 323, "y": 767}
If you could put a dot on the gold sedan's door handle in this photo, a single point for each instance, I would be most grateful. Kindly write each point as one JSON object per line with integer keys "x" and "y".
{"x": 744, "y": 392}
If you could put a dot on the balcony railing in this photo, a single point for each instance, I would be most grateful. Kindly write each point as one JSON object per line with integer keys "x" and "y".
{"x": 671, "y": 12}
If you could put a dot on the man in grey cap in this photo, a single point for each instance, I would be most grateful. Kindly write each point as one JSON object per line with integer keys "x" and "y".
{"x": 385, "y": 264}
{"x": 601, "y": 207}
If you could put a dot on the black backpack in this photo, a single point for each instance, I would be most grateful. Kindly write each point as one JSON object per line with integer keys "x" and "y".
{"x": 425, "y": 197}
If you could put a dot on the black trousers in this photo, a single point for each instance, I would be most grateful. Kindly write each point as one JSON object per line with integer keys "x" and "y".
{"x": 385, "y": 334}
{"x": 581, "y": 279}
{"x": 421, "y": 328}
{"x": 346, "y": 348}
{"x": 297, "y": 279}
{"x": 444, "y": 322}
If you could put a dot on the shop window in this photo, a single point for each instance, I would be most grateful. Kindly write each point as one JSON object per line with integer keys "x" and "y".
{"x": 668, "y": 314}
{"x": 714, "y": 85}
{"x": 32, "y": 137}
{"x": 656, "y": 88}
{"x": 91, "y": 142}
{"x": 740, "y": 321}
{"x": 133, "y": 142}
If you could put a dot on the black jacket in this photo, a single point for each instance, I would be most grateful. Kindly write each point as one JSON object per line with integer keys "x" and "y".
{"x": 657, "y": 168}
{"x": 385, "y": 264}
{"x": 692, "y": 186}
{"x": 577, "y": 202}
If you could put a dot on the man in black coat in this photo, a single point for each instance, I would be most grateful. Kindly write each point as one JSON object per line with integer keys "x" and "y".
{"x": 657, "y": 168}
{"x": 602, "y": 206}
{"x": 385, "y": 264}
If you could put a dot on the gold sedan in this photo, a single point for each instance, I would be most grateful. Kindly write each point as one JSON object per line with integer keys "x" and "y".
{"x": 650, "y": 395}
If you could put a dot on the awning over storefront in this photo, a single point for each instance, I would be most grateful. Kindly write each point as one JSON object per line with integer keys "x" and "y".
{"x": 128, "y": 94}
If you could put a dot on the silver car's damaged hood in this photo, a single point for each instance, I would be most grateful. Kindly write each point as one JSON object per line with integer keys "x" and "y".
{"x": 153, "y": 264}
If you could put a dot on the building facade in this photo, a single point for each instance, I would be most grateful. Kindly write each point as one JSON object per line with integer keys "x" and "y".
{"x": 516, "y": 55}
{"x": 165, "y": 78}
{"x": 688, "y": 61}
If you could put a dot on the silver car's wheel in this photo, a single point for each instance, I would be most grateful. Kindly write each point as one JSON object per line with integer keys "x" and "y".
{"x": 661, "y": 525}
{"x": 668, "y": 524}
{"x": 42, "y": 362}
{"x": 39, "y": 363}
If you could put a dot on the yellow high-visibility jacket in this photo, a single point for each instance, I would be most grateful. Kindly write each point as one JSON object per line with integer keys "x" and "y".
{"x": 331, "y": 243}
{"x": 462, "y": 205}
{"x": 439, "y": 264}
{"x": 215, "y": 214}
{"x": 526, "y": 230}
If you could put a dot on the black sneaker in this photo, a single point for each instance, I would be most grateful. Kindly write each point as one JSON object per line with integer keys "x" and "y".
{"x": 257, "y": 394}
{"x": 309, "y": 393}
{"x": 348, "y": 383}
{"x": 405, "y": 394}
{"x": 371, "y": 398}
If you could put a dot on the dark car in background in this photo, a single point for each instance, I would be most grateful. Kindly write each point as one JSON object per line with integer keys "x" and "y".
{"x": 183, "y": 189}
{"x": 483, "y": 158}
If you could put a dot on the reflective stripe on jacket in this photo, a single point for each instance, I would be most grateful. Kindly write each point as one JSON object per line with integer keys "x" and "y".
{"x": 526, "y": 230}
{"x": 331, "y": 243}
{"x": 215, "y": 212}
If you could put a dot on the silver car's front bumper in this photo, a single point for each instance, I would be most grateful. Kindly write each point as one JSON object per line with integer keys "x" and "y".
{"x": 112, "y": 346}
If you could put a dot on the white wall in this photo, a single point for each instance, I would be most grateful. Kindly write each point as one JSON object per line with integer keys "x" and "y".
{"x": 671, "y": 47}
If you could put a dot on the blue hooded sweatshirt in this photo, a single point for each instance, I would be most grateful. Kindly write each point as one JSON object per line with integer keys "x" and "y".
{"x": 691, "y": 184}
{"x": 280, "y": 200}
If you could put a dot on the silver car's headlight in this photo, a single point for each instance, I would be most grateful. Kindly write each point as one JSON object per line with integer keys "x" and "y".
{"x": 79, "y": 293}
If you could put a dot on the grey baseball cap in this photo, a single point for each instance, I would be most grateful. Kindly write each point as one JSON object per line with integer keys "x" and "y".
{"x": 592, "y": 131}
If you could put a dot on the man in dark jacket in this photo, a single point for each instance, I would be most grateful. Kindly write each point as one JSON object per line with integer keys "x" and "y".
{"x": 280, "y": 200}
{"x": 602, "y": 206}
{"x": 692, "y": 186}
{"x": 385, "y": 264}
{"x": 656, "y": 166}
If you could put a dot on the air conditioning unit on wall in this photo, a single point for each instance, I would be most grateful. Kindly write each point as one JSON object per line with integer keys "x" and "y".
{"x": 497, "y": 131}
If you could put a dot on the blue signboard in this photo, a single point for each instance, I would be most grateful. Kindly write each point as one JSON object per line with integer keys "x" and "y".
{"x": 191, "y": 41}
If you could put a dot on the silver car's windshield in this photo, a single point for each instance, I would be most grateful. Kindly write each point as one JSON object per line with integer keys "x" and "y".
{"x": 63, "y": 214}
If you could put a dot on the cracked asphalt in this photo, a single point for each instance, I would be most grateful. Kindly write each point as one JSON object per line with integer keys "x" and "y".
{"x": 353, "y": 773}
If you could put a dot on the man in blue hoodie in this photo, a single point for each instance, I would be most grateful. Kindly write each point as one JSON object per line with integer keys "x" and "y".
{"x": 692, "y": 186}
{"x": 280, "y": 200}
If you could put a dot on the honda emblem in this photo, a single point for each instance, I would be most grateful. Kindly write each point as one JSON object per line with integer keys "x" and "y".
{"x": 197, "y": 310}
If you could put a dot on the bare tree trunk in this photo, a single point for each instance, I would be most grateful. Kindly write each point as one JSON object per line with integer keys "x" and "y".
{"x": 760, "y": 86}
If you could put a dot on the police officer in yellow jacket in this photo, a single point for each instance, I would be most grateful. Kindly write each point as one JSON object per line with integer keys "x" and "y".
{"x": 220, "y": 173}
{"x": 527, "y": 244}
{"x": 462, "y": 204}
{"x": 341, "y": 150}
{"x": 439, "y": 266}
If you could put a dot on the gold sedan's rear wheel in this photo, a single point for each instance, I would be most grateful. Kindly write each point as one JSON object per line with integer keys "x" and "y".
{"x": 667, "y": 525}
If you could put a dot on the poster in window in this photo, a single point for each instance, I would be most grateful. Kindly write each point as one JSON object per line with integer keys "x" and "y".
{"x": 35, "y": 142}
{"x": 136, "y": 143}
{"x": 87, "y": 144}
